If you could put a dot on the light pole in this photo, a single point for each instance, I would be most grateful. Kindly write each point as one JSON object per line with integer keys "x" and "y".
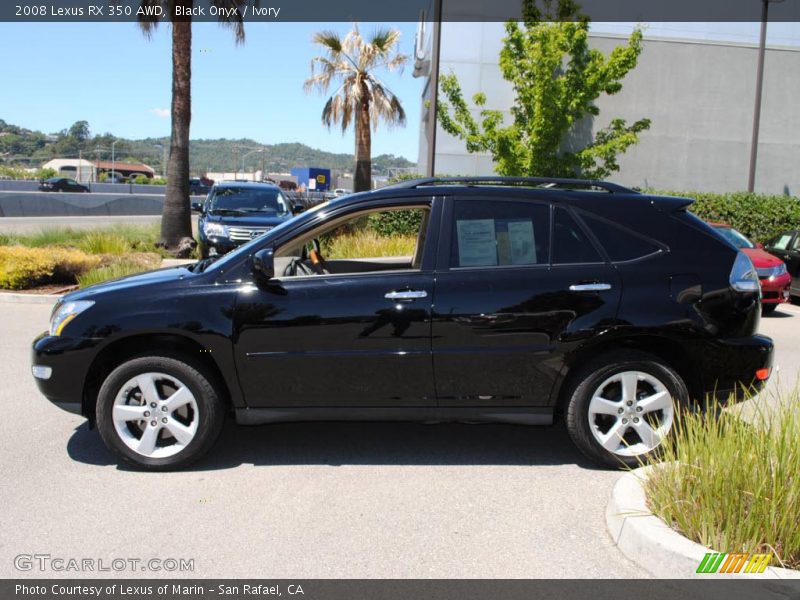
{"x": 163, "y": 148}
{"x": 113, "y": 161}
{"x": 248, "y": 154}
{"x": 762, "y": 45}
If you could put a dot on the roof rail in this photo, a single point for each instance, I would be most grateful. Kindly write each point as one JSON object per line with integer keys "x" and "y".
{"x": 542, "y": 182}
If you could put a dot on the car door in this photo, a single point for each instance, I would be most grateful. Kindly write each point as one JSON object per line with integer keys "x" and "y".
{"x": 359, "y": 339}
{"x": 786, "y": 246}
{"x": 506, "y": 306}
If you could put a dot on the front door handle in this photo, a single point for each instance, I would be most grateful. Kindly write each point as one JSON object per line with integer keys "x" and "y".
{"x": 406, "y": 295}
{"x": 589, "y": 287}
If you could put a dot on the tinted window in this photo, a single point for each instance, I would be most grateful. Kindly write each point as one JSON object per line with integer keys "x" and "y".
{"x": 619, "y": 243}
{"x": 249, "y": 200}
{"x": 570, "y": 244}
{"x": 781, "y": 242}
{"x": 489, "y": 233}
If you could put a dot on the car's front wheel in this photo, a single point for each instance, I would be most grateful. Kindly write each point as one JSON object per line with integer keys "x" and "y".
{"x": 622, "y": 407}
{"x": 159, "y": 412}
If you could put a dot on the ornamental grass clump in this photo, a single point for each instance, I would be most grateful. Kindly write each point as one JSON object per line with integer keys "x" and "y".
{"x": 733, "y": 485}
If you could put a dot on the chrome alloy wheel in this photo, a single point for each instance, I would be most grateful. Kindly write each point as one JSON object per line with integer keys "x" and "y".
{"x": 631, "y": 413}
{"x": 155, "y": 415}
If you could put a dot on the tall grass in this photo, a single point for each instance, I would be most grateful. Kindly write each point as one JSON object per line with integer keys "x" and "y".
{"x": 116, "y": 239}
{"x": 734, "y": 486}
{"x": 113, "y": 271}
{"x": 368, "y": 244}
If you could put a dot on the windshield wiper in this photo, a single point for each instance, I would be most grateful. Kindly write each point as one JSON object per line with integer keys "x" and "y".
{"x": 227, "y": 211}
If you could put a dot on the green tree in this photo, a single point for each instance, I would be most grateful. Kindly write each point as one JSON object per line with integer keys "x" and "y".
{"x": 176, "y": 221}
{"x": 361, "y": 97}
{"x": 556, "y": 78}
{"x": 80, "y": 131}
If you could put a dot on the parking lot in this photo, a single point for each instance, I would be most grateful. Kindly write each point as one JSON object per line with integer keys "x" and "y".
{"x": 312, "y": 500}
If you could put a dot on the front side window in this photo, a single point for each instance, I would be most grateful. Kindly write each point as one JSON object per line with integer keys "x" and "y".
{"x": 495, "y": 233}
{"x": 245, "y": 200}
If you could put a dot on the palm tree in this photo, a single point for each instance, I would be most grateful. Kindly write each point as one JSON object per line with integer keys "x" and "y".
{"x": 360, "y": 97}
{"x": 176, "y": 220}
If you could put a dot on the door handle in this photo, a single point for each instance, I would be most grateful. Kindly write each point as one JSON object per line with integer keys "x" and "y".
{"x": 589, "y": 287}
{"x": 406, "y": 295}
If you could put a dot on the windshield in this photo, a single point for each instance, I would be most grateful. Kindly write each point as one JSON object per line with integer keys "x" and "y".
{"x": 245, "y": 249}
{"x": 248, "y": 200}
{"x": 735, "y": 238}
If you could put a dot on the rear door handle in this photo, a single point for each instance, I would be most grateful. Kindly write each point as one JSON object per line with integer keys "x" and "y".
{"x": 406, "y": 295}
{"x": 589, "y": 287}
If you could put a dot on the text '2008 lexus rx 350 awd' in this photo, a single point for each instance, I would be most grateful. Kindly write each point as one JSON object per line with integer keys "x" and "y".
{"x": 518, "y": 301}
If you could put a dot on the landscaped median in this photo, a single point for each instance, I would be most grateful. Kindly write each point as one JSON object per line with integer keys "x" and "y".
{"x": 62, "y": 258}
{"x": 725, "y": 501}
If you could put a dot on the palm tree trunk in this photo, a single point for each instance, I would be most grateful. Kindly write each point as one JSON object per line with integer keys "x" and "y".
{"x": 363, "y": 177}
{"x": 176, "y": 220}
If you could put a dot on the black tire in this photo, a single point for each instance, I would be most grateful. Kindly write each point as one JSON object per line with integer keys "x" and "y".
{"x": 768, "y": 309}
{"x": 210, "y": 406}
{"x": 580, "y": 389}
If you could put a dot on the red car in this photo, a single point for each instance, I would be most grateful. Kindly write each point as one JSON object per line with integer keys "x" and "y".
{"x": 775, "y": 279}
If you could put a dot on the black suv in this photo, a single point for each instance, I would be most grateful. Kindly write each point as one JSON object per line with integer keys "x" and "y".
{"x": 517, "y": 301}
{"x": 235, "y": 212}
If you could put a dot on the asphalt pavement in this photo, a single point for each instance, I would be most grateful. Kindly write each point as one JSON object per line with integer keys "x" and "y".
{"x": 310, "y": 500}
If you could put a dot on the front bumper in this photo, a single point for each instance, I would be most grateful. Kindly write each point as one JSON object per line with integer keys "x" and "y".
{"x": 775, "y": 290}
{"x": 68, "y": 360}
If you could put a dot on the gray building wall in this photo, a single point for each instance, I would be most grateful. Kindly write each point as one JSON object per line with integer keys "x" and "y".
{"x": 699, "y": 96}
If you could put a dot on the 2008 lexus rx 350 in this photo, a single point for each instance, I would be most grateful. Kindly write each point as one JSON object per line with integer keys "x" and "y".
{"x": 520, "y": 301}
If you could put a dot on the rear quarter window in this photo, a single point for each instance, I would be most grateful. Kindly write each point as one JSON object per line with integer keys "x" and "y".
{"x": 620, "y": 244}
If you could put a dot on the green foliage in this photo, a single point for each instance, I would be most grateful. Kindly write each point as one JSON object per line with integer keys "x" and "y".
{"x": 101, "y": 242}
{"x": 556, "y": 78}
{"x": 42, "y": 174}
{"x": 22, "y": 267}
{"x": 733, "y": 485}
{"x": 14, "y": 172}
{"x": 395, "y": 222}
{"x": 158, "y": 181}
{"x": 368, "y": 244}
{"x": 142, "y": 180}
{"x": 137, "y": 238}
{"x": 758, "y": 216}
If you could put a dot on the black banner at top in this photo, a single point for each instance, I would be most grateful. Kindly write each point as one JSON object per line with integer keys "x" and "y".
{"x": 101, "y": 11}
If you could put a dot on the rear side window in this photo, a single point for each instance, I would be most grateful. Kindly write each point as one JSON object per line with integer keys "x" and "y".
{"x": 490, "y": 234}
{"x": 570, "y": 243}
{"x": 620, "y": 243}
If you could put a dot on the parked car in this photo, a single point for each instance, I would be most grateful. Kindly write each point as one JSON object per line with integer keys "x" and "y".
{"x": 236, "y": 212}
{"x": 786, "y": 246}
{"x": 200, "y": 186}
{"x": 62, "y": 184}
{"x": 771, "y": 270}
{"x": 338, "y": 192}
{"x": 524, "y": 300}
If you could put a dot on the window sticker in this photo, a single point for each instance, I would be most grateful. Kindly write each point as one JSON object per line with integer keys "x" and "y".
{"x": 522, "y": 243}
{"x": 476, "y": 243}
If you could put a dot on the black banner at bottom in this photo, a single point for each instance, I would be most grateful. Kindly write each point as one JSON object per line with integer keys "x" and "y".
{"x": 391, "y": 589}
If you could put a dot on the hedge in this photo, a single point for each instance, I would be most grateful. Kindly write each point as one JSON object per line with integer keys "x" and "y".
{"x": 758, "y": 216}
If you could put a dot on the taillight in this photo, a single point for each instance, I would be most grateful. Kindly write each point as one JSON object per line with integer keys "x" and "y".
{"x": 744, "y": 277}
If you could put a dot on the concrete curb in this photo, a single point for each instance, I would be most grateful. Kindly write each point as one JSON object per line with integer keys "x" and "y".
{"x": 650, "y": 543}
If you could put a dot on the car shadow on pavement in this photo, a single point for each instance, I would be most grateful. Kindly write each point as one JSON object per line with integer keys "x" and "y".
{"x": 358, "y": 443}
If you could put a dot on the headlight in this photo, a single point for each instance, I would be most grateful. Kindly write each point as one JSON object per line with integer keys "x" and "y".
{"x": 215, "y": 229}
{"x": 65, "y": 313}
{"x": 779, "y": 270}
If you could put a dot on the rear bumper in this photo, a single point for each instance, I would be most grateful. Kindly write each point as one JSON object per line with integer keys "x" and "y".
{"x": 736, "y": 369}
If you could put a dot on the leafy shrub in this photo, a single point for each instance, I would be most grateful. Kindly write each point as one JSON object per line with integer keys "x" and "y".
{"x": 142, "y": 180}
{"x": 22, "y": 267}
{"x": 758, "y": 216}
{"x": 46, "y": 174}
{"x": 396, "y": 222}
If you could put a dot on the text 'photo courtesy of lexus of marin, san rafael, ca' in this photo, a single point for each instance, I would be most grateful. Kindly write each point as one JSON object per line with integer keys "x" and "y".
{"x": 524, "y": 301}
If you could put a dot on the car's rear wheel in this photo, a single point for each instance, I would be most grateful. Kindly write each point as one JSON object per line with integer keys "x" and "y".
{"x": 159, "y": 412}
{"x": 768, "y": 309}
{"x": 622, "y": 407}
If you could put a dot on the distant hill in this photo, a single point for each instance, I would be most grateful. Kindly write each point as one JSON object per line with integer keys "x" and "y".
{"x": 32, "y": 148}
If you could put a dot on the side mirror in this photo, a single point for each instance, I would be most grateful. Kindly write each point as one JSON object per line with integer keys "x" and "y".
{"x": 264, "y": 264}
{"x": 197, "y": 207}
{"x": 298, "y": 208}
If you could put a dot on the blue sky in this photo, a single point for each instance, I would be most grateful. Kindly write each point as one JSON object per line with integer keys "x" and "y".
{"x": 110, "y": 75}
{"x": 113, "y": 77}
